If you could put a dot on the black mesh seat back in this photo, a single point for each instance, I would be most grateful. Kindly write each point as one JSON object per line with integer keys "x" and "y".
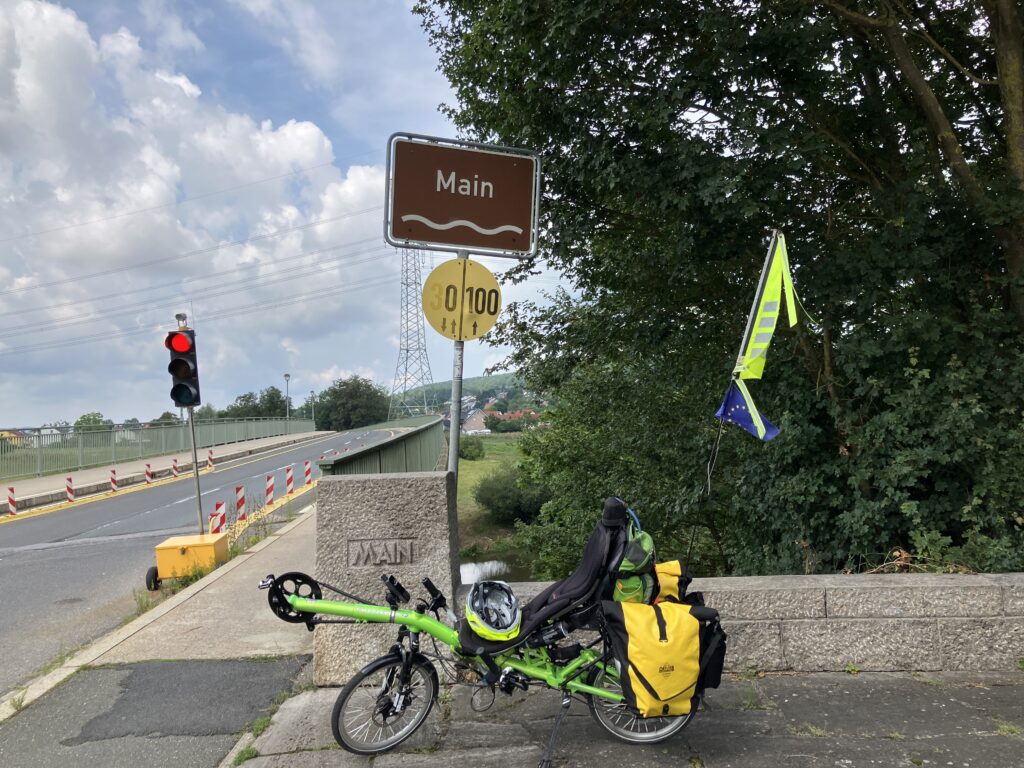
{"x": 590, "y": 577}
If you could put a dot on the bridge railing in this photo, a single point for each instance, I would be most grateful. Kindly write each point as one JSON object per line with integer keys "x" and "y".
{"x": 36, "y": 451}
{"x": 420, "y": 447}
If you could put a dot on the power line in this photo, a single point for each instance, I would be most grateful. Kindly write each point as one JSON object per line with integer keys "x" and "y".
{"x": 198, "y": 252}
{"x": 257, "y": 281}
{"x": 228, "y": 313}
{"x": 207, "y": 276}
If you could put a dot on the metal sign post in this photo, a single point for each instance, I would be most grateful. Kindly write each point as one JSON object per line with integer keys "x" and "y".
{"x": 195, "y": 469}
{"x": 455, "y": 429}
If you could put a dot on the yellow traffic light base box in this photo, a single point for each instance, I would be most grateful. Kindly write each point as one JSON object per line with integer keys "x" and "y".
{"x": 179, "y": 555}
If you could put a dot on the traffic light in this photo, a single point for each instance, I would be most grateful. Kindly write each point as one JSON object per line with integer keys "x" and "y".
{"x": 183, "y": 368}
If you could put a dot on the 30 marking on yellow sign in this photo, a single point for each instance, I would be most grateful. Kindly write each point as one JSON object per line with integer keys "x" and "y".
{"x": 461, "y": 299}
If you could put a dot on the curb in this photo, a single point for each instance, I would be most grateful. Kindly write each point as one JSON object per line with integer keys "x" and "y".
{"x": 102, "y": 487}
{"x": 36, "y": 688}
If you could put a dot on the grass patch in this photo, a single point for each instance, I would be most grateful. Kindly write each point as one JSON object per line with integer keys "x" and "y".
{"x": 807, "y": 729}
{"x": 1007, "y": 729}
{"x": 752, "y": 699}
{"x": 478, "y": 534}
{"x": 851, "y": 669}
{"x": 57, "y": 661}
{"x": 696, "y": 761}
{"x": 895, "y": 736}
{"x": 246, "y": 754}
{"x": 259, "y": 725}
{"x": 18, "y": 702}
{"x": 1020, "y": 663}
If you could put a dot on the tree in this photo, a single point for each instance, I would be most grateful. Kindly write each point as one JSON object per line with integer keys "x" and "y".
{"x": 92, "y": 422}
{"x": 246, "y": 406}
{"x": 206, "y": 412}
{"x": 350, "y": 403}
{"x": 887, "y": 141}
{"x": 167, "y": 418}
{"x": 132, "y": 423}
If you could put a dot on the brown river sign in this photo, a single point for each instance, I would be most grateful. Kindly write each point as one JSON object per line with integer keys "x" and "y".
{"x": 448, "y": 195}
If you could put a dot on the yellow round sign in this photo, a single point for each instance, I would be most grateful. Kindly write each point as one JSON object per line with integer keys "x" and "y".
{"x": 461, "y": 299}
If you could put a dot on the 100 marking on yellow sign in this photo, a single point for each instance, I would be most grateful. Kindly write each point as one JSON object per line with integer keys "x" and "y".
{"x": 461, "y": 299}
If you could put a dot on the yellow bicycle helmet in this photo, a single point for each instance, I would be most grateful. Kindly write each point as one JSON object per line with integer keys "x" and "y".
{"x": 492, "y": 610}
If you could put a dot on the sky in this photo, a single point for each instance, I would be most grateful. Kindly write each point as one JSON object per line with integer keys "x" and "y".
{"x": 222, "y": 158}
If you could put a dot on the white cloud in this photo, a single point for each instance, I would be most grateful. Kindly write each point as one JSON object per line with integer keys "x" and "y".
{"x": 301, "y": 32}
{"x": 124, "y": 183}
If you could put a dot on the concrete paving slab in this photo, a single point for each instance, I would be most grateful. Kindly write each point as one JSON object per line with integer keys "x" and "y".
{"x": 302, "y": 723}
{"x": 155, "y": 714}
{"x": 229, "y": 618}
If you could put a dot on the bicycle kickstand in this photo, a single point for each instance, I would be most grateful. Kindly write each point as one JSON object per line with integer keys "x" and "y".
{"x": 545, "y": 760}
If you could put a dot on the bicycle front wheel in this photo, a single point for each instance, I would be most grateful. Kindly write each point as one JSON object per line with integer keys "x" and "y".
{"x": 620, "y": 722}
{"x": 377, "y": 710}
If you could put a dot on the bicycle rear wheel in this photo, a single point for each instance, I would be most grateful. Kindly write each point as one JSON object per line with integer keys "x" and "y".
{"x": 376, "y": 711}
{"x": 623, "y": 724}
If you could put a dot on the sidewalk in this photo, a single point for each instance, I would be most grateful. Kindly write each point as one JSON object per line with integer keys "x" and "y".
{"x": 179, "y": 685}
{"x": 50, "y": 489}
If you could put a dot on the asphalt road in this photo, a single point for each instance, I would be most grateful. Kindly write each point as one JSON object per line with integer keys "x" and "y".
{"x": 69, "y": 576}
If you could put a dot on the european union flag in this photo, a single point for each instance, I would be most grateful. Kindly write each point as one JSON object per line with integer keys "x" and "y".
{"x": 738, "y": 408}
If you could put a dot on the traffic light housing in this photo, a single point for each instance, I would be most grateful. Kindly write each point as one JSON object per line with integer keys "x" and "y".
{"x": 183, "y": 368}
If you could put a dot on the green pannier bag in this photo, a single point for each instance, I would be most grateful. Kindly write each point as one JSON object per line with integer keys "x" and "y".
{"x": 634, "y": 578}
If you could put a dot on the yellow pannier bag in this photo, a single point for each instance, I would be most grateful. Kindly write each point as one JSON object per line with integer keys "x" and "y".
{"x": 658, "y": 648}
{"x": 673, "y": 579}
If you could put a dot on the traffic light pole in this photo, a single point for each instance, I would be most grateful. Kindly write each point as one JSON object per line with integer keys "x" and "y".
{"x": 195, "y": 469}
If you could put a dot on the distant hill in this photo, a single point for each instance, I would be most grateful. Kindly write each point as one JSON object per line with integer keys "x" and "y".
{"x": 442, "y": 391}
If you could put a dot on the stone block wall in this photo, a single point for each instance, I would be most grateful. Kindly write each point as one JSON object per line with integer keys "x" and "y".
{"x": 368, "y": 525}
{"x": 898, "y": 622}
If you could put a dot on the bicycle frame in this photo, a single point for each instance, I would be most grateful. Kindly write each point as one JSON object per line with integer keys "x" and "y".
{"x": 535, "y": 662}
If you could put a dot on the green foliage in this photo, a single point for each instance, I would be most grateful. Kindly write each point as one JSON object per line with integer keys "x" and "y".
{"x": 207, "y": 412}
{"x": 92, "y": 422}
{"x": 166, "y": 418}
{"x": 269, "y": 403}
{"x": 471, "y": 447}
{"x": 499, "y": 425}
{"x": 351, "y": 403}
{"x": 508, "y": 498}
{"x": 674, "y": 137}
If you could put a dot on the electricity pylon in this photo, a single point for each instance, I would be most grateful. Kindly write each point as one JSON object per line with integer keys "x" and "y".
{"x": 413, "y": 369}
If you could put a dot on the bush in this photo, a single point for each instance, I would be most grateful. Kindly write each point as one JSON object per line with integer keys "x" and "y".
{"x": 507, "y": 499}
{"x": 471, "y": 447}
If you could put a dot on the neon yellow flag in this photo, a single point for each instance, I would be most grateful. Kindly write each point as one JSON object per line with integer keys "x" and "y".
{"x": 764, "y": 314}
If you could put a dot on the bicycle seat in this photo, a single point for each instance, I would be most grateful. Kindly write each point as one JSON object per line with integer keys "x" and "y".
{"x": 588, "y": 583}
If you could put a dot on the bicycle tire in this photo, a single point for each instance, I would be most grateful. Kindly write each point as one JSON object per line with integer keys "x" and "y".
{"x": 623, "y": 724}
{"x": 359, "y": 719}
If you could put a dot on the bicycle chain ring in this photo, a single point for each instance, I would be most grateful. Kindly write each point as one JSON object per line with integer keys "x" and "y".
{"x": 292, "y": 583}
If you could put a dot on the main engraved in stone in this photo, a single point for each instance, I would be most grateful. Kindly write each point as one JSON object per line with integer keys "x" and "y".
{"x": 374, "y": 552}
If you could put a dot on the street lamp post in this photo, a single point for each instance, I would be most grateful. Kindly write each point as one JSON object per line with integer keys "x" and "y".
{"x": 287, "y": 409}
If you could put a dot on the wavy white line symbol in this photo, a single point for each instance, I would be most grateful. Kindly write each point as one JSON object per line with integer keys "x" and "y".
{"x": 462, "y": 223}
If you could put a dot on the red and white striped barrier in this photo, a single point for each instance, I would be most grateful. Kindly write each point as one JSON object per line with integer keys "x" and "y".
{"x": 289, "y": 480}
{"x": 270, "y": 490}
{"x": 218, "y": 518}
{"x": 174, "y": 467}
{"x": 309, "y": 472}
{"x": 209, "y": 459}
{"x": 70, "y": 489}
{"x": 12, "y": 507}
{"x": 239, "y": 502}
{"x": 149, "y": 475}
{"x": 113, "y": 480}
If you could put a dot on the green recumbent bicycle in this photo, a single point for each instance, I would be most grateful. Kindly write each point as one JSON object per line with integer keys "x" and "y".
{"x": 642, "y": 667}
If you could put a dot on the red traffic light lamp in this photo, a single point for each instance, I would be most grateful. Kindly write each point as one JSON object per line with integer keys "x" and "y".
{"x": 178, "y": 341}
{"x": 183, "y": 367}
